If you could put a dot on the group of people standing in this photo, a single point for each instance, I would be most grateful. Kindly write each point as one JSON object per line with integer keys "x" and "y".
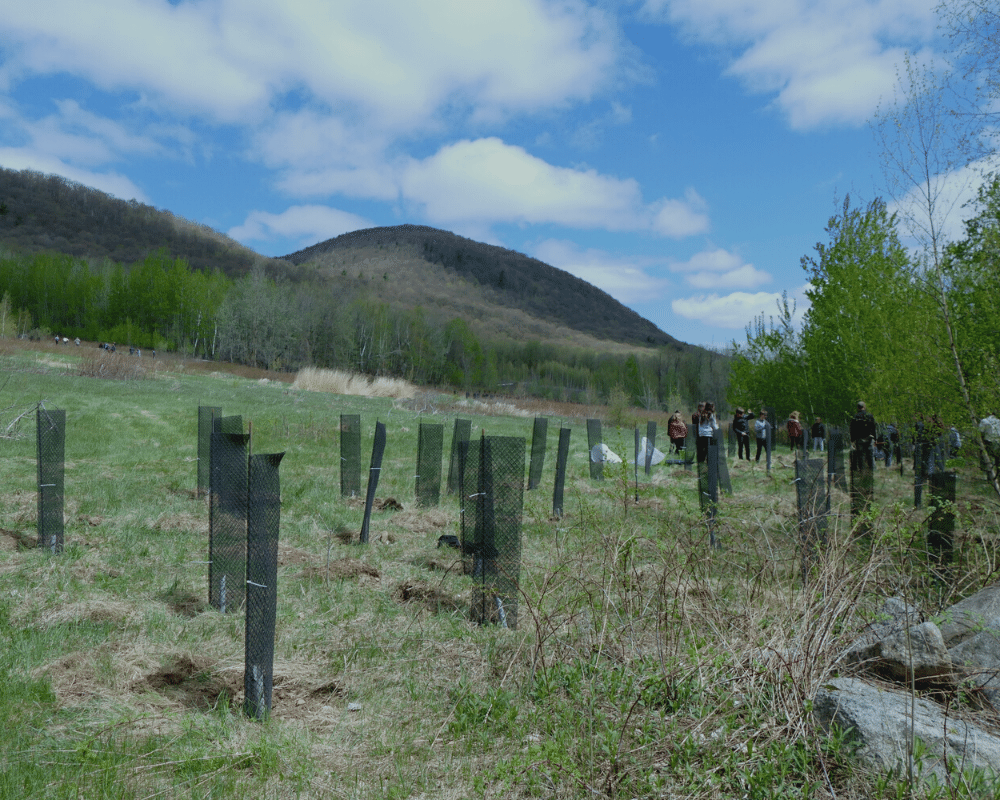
{"x": 744, "y": 423}
{"x": 869, "y": 442}
{"x": 706, "y": 426}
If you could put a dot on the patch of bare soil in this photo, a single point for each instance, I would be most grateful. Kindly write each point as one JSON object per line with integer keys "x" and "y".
{"x": 378, "y": 504}
{"x": 187, "y": 604}
{"x": 341, "y": 569}
{"x": 289, "y": 556}
{"x": 429, "y": 597}
{"x": 16, "y": 540}
{"x": 192, "y": 681}
{"x": 307, "y": 699}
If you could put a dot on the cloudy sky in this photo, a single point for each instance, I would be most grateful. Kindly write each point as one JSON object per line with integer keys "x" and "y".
{"x": 680, "y": 154}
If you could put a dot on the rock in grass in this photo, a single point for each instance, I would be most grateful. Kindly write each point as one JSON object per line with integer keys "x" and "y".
{"x": 880, "y": 722}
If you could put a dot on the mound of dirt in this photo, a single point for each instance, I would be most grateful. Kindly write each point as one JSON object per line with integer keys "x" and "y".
{"x": 192, "y": 682}
{"x": 429, "y": 597}
{"x": 188, "y": 605}
{"x": 15, "y": 540}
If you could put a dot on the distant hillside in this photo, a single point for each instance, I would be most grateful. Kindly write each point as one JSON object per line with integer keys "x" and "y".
{"x": 501, "y": 294}
{"x": 47, "y": 212}
{"x": 505, "y": 278}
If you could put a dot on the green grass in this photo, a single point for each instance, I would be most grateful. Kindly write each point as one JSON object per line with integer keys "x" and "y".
{"x": 645, "y": 664}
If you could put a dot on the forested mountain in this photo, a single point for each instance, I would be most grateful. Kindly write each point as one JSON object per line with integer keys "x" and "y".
{"x": 508, "y": 279}
{"x": 50, "y": 213}
{"x": 406, "y": 301}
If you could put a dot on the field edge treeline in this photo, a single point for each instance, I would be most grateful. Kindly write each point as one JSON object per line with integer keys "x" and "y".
{"x": 163, "y": 303}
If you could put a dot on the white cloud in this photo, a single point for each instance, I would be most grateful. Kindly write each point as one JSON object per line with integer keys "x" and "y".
{"x": 399, "y": 62}
{"x": 305, "y": 224}
{"x": 720, "y": 268}
{"x": 679, "y": 218}
{"x": 486, "y": 179}
{"x": 738, "y": 309}
{"x": 625, "y": 279}
{"x": 823, "y": 61}
{"x": 955, "y": 201}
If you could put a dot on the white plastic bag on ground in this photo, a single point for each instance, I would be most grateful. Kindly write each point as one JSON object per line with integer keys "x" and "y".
{"x": 601, "y": 454}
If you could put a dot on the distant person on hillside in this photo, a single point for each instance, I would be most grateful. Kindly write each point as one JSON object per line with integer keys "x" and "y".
{"x": 742, "y": 431}
{"x": 677, "y": 431}
{"x": 761, "y": 430}
{"x": 863, "y": 432}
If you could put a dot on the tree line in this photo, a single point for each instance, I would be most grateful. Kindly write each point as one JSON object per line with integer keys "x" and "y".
{"x": 911, "y": 327}
{"x": 876, "y": 327}
{"x": 164, "y": 303}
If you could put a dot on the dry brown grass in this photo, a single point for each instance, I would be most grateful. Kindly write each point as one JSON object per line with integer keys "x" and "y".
{"x": 333, "y": 381}
{"x": 114, "y": 366}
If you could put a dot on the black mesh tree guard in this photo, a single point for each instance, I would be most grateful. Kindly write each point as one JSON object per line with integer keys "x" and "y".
{"x": 862, "y": 494}
{"x": 708, "y": 486}
{"x": 724, "y": 483}
{"x": 227, "y": 521}
{"x": 206, "y": 424}
{"x": 650, "y": 444}
{"x": 811, "y": 495}
{"x": 430, "y": 447}
{"x": 638, "y": 455}
{"x": 919, "y": 472}
{"x": 941, "y": 521}
{"x": 470, "y": 454}
{"x": 539, "y": 432}
{"x": 690, "y": 445}
{"x": 51, "y": 440}
{"x": 562, "y": 457}
{"x": 595, "y": 457}
{"x": 496, "y": 549}
{"x": 350, "y": 455}
{"x": 263, "y": 519}
{"x": 772, "y": 432}
{"x": 836, "y": 472}
{"x": 378, "y": 450}
{"x": 463, "y": 429}
{"x": 222, "y": 424}
{"x": 730, "y": 440}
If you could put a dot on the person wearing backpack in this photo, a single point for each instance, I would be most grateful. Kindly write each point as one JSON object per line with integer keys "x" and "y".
{"x": 794, "y": 427}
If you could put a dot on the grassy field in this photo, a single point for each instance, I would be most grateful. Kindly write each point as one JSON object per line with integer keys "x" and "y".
{"x": 645, "y": 664}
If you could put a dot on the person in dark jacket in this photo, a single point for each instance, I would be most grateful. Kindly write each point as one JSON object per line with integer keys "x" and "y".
{"x": 863, "y": 432}
{"x": 818, "y": 434}
{"x": 742, "y": 432}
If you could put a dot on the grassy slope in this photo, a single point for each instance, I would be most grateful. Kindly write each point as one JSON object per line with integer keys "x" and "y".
{"x": 632, "y": 675}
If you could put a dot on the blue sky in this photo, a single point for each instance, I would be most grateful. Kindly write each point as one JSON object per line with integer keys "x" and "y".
{"x": 682, "y": 155}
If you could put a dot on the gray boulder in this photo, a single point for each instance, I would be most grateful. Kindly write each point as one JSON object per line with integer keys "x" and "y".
{"x": 977, "y": 662}
{"x": 897, "y": 646}
{"x": 969, "y": 616}
{"x": 881, "y": 724}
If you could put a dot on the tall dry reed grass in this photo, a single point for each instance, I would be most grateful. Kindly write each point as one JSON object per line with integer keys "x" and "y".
{"x": 314, "y": 379}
